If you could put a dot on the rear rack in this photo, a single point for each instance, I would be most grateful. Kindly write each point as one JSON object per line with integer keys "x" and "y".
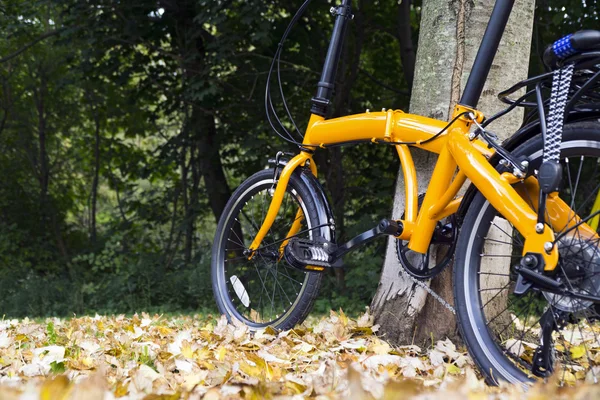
{"x": 584, "y": 93}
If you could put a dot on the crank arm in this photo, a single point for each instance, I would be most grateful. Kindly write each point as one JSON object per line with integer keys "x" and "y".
{"x": 385, "y": 227}
{"x": 320, "y": 254}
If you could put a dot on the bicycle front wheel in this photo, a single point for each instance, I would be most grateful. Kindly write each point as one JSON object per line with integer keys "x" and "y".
{"x": 502, "y": 331}
{"x": 264, "y": 290}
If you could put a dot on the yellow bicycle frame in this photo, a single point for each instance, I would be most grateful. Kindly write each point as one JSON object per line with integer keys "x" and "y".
{"x": 459, "y": 158}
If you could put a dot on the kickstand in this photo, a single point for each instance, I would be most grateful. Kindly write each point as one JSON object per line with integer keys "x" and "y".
{"x": 543, "y": 358}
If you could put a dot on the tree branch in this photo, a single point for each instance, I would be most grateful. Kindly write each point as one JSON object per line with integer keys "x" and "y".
{"x": 32, "y": 43}
{"x": 382, "y": 84}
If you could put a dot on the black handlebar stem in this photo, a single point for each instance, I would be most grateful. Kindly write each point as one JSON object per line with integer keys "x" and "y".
{"x": 322, "y": 100}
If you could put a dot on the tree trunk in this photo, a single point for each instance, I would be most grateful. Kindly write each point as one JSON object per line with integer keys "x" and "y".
{"x": 191, "y": 41}
{"x": 407, "y": 51}
{"x": 211, "y": 166}
{"x": 449, "y": 36}
{"x": 193, "y": 204}
{"x": 95, "y": 181}
{"x": 48, "y": 214}
{"x": 170, "y": 255}
{"x": 5, "y": 101}
{"x": 43, "y": 168}
{"x": 183, "y": 165}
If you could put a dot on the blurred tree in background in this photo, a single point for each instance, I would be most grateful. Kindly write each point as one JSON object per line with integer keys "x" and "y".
{"x": 124, "y": 127}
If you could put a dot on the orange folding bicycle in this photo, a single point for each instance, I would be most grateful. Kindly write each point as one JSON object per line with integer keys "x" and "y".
{"x": 527, "y": 263}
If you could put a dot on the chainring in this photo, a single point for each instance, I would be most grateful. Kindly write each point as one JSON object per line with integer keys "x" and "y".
{"x": 417, "y": 264}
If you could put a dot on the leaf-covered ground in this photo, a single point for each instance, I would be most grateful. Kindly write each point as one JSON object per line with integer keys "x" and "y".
{"x": 154, "y": 357}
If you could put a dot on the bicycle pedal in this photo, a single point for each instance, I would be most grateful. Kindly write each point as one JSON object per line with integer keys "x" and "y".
{"x": 310, "y": 255}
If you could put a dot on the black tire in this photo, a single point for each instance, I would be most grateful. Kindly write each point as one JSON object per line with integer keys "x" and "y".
{"x": 293, "y": 291}
{"x": 501, "y": 355}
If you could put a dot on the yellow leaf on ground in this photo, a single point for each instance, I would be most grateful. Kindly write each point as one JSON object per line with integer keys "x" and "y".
{"x": 81, "y": 364}
{"x": 251, "y": 369}
{"x": 186, "y": 349}
{"x": 577, "y": 352}
{"x": 164, "y": 331}
{"x": 380, "y": 347}
{"x": 121, "y": 389}
{"x": 580, "y": 375}
{"x": 220, "y": 354}
{"x": 569, "y": 378}
{"x": 452, "y": 369}
{"x": 296, "y": 388}
{"x": 57, "y": 388}
{"x": 343, "y": 317}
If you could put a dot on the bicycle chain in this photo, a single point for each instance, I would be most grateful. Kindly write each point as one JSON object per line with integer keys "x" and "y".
{"x": 429, "y": 290}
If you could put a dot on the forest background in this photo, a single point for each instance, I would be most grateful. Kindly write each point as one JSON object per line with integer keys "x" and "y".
{"x": 125, "y": 126}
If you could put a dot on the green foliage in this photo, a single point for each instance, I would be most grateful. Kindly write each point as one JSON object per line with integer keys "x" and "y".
{"x": 145, "y": 358}
{"x": 557, "y": 18}
{"x": 51, "y": 333}
{"x": 57, "y": 368}
{"x": 115, "y": 127}
{"x": 124, "y": 126}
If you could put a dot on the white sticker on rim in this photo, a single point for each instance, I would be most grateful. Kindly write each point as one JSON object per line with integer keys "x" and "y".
{"x": 240, "y": 290}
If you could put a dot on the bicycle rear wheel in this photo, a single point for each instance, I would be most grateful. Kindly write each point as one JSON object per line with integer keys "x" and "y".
{"x": 264, "y": 290}
{"x": 503, "y": 331}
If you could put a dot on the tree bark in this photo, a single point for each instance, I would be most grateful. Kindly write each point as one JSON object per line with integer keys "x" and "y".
{"x": 449, "y": 36}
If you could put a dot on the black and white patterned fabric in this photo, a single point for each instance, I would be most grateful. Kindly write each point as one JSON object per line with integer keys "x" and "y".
{"x": 561, "y": 82}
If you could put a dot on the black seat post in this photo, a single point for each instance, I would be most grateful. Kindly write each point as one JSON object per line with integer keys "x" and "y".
{"x": 487, "y": 51}
{"x": 321, "y": 102}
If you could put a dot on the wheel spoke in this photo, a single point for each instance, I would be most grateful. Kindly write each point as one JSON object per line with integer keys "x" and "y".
{"x": 506, "y": 233}
{"x": 574, "y": 195}
{"x": 496, "y": 295}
